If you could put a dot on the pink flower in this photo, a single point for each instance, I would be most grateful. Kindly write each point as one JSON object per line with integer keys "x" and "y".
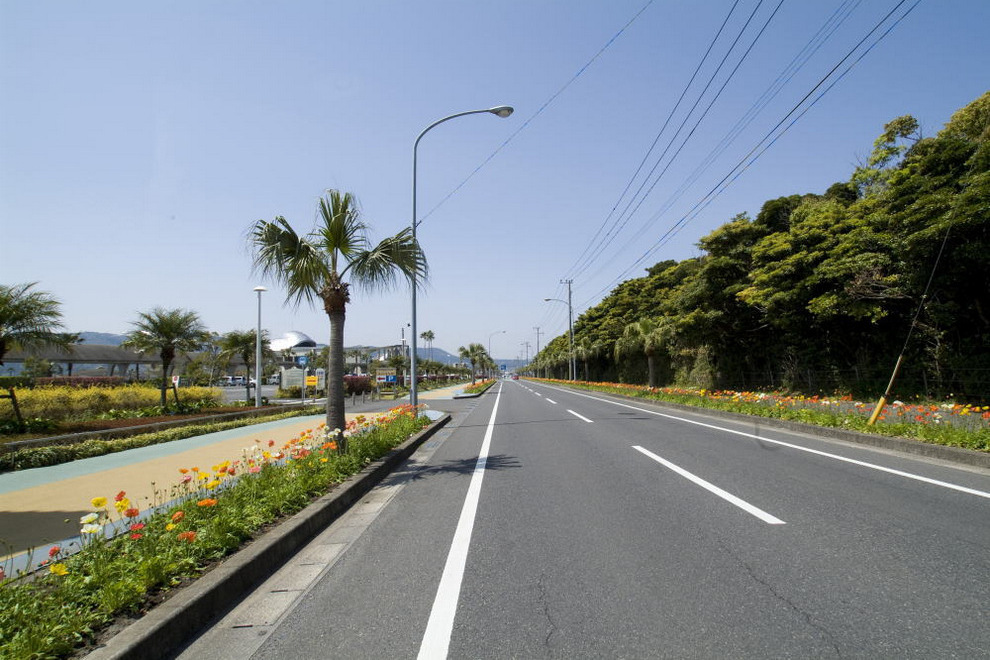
{"x": 186, "y": 479}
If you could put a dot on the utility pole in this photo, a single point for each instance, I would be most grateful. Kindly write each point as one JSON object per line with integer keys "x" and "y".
{"x": 570, "y": 328}
{"x": 526, "y": 344}
{"x": 538, "y": 333}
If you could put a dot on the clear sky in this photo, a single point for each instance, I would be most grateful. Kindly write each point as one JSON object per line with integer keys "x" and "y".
{"x": 139, "y": 141}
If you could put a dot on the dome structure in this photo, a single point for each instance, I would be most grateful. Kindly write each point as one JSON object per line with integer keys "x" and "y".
{"x": 291, "y": 340}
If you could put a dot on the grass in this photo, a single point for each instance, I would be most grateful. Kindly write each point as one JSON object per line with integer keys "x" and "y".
{"x": 949, "y": 424}
{"x": 81, "y": 590}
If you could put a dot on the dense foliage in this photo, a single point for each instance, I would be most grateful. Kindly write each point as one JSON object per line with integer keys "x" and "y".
{"x": 818, "y": 291}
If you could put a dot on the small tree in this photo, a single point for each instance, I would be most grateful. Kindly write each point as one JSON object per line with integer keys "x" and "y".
{"x": 169, "y": 332}
{"x": 30, "y": 319}
{"x": 244, "y": 344}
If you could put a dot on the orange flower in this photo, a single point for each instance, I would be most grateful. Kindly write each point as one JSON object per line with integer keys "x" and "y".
{"x": 188, "y": 537}
{"x": 132, "y": 513}
{"x": 183, "y": 470}
{"x": 178, "y": 516}
{"x": 209, "y": 501}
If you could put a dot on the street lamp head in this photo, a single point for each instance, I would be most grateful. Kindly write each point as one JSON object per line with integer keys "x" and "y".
{"x": 259, "y": 289}
{"x": 502, "y": 111}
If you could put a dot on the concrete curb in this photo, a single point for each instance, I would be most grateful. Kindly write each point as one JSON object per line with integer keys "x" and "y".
{"x": 958, "y": 455}
{"x": 170, "y": 625}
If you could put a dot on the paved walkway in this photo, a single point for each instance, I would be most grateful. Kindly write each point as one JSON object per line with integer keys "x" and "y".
{"x": 42, "y": 506}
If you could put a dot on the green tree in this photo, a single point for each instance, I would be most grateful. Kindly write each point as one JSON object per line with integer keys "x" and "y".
{"x": 645, "y": 336}
{"x": 476, "y": 355}
{"x": 167, "y": 332}
{"x": 428, "y": 337}
{"x": 315, "y": 267}
{"x": 30, "y": 319}
{"x": 244, "y": 345}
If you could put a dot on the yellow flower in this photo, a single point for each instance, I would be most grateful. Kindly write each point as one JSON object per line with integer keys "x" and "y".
{"x": 122, "y": 504}
{"x": 98, "y": 502}
{"x": 213, "y": 484}
{"x": 169, "y": 527}
{"x": 58, "y": 569}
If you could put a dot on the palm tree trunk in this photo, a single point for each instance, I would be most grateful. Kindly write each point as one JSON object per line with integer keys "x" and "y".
{"x": 651, "y": 369}
{"x": 335, "y": 379}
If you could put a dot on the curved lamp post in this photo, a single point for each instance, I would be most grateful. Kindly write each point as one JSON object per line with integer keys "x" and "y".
{"x": 502, "y": 111}
{"x": 570, "y": 334}
{"x": 257, "y": 353}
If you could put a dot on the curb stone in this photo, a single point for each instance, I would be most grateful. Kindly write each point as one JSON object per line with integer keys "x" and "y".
{"x": 170, "y": 625}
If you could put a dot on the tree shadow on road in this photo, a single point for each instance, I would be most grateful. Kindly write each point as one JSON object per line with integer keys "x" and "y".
{"x": 464, "y": 466}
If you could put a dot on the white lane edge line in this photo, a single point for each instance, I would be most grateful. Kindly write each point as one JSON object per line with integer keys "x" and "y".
{"x": 872, "y": 466}
{"x": 712, "y": 488}
{"x": 580, "y": 416}
{"x": 436, "y": 639}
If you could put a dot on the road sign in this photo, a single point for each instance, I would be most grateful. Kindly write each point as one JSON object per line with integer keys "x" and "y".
{"x": 302, "y": 359}
{"x": 310, "y": 381}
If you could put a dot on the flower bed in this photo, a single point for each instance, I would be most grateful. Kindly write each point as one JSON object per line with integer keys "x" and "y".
{"x": 950, "y": 424}
{"x": 214, "y": 511}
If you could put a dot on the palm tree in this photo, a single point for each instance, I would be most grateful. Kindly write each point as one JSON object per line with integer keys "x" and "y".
{"x": 314, "y": 267}
{"x": 244, "y": 344}
{"x": 644, "y": 336}
{"x": 585, "y": 349}
{"x": 30, "y": 319}
{"x": 475, "y": 354}
{"x": 428, "y": 337}
{"x": 167, "y": 331}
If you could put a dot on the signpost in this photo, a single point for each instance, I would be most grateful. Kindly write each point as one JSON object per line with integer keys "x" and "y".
{"x": 386, "y": 380}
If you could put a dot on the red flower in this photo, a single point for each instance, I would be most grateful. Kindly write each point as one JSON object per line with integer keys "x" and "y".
{"x": 132, "y": 513}
{"x": 178, "y": 516}
{"x": 120, "y": 496}
{"x": 137, "y": 536}
{"x": 54, "y": 551}
{"x": 136, "y": 526}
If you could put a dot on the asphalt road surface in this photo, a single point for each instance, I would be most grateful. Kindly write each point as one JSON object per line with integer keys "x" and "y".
{"x": 546, "y": 523}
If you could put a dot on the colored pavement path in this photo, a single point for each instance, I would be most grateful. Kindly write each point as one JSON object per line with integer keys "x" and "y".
{"x": 42, "y": 506}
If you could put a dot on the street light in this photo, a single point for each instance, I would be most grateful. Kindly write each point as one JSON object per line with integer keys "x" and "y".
{"x": 502, "y": 111}
{"x": 570, "y": 332}
{"x": 497, "y": 332}
{"x": 257, "y": 353}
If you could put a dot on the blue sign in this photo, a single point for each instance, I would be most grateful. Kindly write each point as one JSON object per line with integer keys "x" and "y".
{"x": 302, "y": 359}
{"x": 390, "y": 378}
{"x": 502, "y": 367}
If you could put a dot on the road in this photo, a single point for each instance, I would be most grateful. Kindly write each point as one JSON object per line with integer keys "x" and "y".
{"x": 551, "y": 523}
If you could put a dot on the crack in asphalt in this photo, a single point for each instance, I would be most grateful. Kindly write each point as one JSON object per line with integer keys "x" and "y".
{"x": 545, "y": 602}
{"x": 826, "y": 635}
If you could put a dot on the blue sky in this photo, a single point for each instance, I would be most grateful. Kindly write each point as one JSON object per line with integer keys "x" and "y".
{"x": 139, "y": 142}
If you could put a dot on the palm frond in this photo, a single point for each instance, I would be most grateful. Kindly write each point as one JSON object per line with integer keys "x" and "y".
{"x": 377, "y": 269}
{"x": 289, "y": 259}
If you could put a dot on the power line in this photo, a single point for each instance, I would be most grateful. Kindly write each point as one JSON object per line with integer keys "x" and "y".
{"x": 766, "y": 142}
{"x": 543, "y": 107}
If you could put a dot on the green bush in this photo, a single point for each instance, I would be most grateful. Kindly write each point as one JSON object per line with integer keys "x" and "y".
{"x": 74, "y": 403}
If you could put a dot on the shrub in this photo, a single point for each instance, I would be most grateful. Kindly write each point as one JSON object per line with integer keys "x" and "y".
{"x": 68, "y": 403}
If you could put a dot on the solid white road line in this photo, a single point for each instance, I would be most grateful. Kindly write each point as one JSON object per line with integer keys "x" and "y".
{"x": 728, "y": 497}
{"x": 580, "y": 416}
{"x": 436, "y": 639}
{"x": 872, "y": 466}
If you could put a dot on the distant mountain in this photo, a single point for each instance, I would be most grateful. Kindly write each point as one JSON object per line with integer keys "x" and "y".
{"x": 102, "y": 338}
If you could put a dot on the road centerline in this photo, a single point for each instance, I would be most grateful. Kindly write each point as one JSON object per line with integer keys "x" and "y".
{"x": 712, "y": 488}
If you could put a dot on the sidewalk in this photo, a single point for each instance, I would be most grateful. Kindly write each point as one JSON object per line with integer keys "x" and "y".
{"x": 42, "y": 506}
